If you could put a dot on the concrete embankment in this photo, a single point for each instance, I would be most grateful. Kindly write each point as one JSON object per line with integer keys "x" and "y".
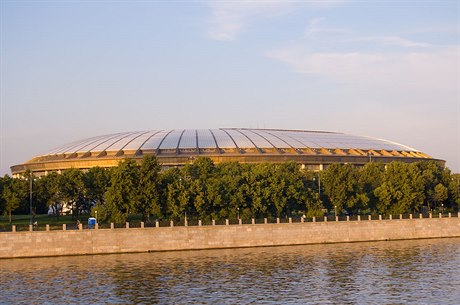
{"x": 104, "y": 241}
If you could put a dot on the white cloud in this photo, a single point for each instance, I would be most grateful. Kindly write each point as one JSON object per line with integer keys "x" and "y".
{"x": 388, "y": 61}
{"x": 230, "y": 18}
{"x": 436, "y": 69}
{"x": 316, "y": 27}
{"x": 395, "y": 41}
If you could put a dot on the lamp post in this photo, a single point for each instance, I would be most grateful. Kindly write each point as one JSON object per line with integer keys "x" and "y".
{"x": 31, "y": 178}
{"x": 30, "y": 201}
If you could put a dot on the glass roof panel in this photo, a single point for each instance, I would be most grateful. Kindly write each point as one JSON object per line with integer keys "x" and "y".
{"x": 257, "y": 139}
{"x": 88, "y": 145}
{"x": 240, "y": 139}
{"x": 73, "y": 145}
{"x": 223, "y": 139}
{"x": 155, "y": 140}
{"x": 277, "y": 140}
{"x": 205, "y": 139}
{"x": 291, "y": 137}
{"x": 305, "y": 140}
{"x": 172, "y": 139}
{"x": 137, "y": 142}
{"x": 108, "y": 141}
{"x": 120, "y": 144}
{"x": 188, "y": 139}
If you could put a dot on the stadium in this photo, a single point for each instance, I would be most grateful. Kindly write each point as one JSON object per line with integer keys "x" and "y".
{"x": 313, "y": 150}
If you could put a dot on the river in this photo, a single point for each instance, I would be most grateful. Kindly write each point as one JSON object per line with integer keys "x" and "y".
{"x": 396, "y": 272}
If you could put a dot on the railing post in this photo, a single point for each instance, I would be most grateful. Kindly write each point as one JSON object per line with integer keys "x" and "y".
{"x": 391, "y": 217}
{"x": 157, "y": 224}
{"x": 253, "y": 221}
{"x": 380, "y": 217}
{"x": 171, "y": 223}
{"x": 440, "y": 215}
{"x": 348, "y": 218}
{"x": 265, "y": 220}
{"x": 112, "y": 226}
{"x": 213, "y": 222}
{"x": 450, "y": 215}
{"x": 410, "y": 216}
{"x": 420, "y": 216}
{"x": 325, "y": 218}
{"x": 127, "y": 225}
{"x": 31, "y": 228}
{"x": 313, "y": 219}
{"x": 64, "y": 227}
{"x": 359, "y": 217}
{"x": 47, "y": 227}
{"x": 13, "y": 228}
{"x": 199, "y": 223}
{"x": 400, "y": 216}
{"x": 80, "y": 227}
{"x": 336, "y": 218}
{"x": 277, "y": 220}
{"x": 240, "y": 221}
{"x": 96, "y": 226}
{"x": 290, "y": 219}
{"x": 369, "y": 217}
{"x": 226, "y": 222}
{"x": 142, "y": 224}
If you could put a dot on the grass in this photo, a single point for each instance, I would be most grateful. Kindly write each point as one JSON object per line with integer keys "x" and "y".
{"x": 22, "y": 222}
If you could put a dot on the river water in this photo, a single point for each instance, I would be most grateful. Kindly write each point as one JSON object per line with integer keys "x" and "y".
{"x": 396, "y": 272}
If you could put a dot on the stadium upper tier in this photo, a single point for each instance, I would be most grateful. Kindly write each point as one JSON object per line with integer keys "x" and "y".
{"x": 176, "y": 147}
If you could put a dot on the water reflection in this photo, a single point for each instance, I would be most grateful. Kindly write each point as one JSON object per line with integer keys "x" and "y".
{"x": 406, "y": 272}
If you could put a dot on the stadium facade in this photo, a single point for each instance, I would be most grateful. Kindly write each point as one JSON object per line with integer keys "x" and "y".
{"x": 313, "y": 150}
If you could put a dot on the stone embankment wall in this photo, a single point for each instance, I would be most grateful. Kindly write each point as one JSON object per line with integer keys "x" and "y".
{"x": 99, "y": 241}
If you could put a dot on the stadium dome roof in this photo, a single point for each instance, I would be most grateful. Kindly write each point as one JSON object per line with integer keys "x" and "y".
{"x": 178, "y": 146}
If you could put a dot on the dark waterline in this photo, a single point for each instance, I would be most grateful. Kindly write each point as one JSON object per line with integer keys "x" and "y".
{"x": 397, "y": 272}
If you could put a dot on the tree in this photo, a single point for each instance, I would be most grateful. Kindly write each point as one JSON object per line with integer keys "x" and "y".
{"x": 13, "y": 193}
{"x": 229, "y": 192}
{"x": 178, "y": 199}
{"x": 342, "y": 187}
{"x": 2, "y": 187}
{"x": 370, "y": 178}
{"x": 401, "y": 189}
{"x": 72, "y": 187}
{"x": 258, "y": 189}
{"x": 49, "y": 192}
{"x": 432, "y": 174}
{"x": 121, "y": 196}
{"x": 147, "y": 202}
{"x": 454, "y": 191}
{"x": 198, "y": 175}
{"x": 440, "y": 194}
{"x": 96, "y": 181}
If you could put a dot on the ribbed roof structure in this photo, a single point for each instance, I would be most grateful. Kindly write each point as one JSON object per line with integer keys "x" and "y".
{"x": 177, "y": 146}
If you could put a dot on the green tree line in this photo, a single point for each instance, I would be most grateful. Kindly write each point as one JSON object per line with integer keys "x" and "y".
{"x": 204, "y": 190}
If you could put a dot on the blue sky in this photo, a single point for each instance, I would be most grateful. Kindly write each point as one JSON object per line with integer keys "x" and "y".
{"x": 76, "y": 69}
